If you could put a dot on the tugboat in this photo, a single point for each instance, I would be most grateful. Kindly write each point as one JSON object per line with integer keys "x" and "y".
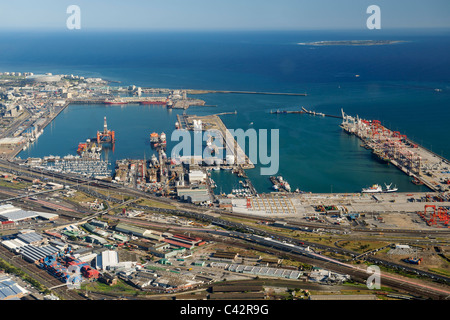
{"x": 154, "y": 139}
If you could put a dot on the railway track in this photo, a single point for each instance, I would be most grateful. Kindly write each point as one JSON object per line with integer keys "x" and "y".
{"x": 37, "y": 274}
{"x": 200, "y": 213}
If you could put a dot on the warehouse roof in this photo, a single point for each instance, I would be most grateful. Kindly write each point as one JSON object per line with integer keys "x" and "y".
{"x": 133, "y": 229}
{"x": 107, "y": 258}
{"x": 30, "y": 237}
{"x": 9, "y": 288}
{"x": 13, "y": 244}
{"x": 10, "y": 213}
{"x": 34, "y": 253}
{"x": 17, "y": 215}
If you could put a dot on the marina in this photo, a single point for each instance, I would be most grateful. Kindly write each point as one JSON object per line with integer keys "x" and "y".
{"x": 89, "y": 168}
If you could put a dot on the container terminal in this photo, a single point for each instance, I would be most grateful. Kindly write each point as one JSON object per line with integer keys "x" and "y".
{"x": 421, "y": 164}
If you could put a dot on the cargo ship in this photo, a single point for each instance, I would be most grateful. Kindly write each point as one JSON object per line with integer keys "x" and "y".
{"x": 376, "y": 188}
{"x": 158, "y": 101}
{"x": 115, "y": 101}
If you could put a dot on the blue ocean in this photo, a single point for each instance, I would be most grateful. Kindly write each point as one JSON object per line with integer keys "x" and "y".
{"x": 395, "y": 84}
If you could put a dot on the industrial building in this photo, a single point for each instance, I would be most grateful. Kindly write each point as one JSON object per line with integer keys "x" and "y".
{"x": 95, "y": 230}
{"x": 164, "y": 251}
{"x": 147, "y": 246}
{"x": 9, "y": 212}
{"x": 10, "y": 290}
{"x": 100, "y": 224}
{"x": 137, "y": 231}
{"x": 195, "y": 195}
{"x": 107, "y": 259}
{"x": 13, "y": 244}
{"x": 92, "y": 238}
{"x": 224, "y": 257}
{"x": 33, "y": 253}
{"x": 196, "y": 176}
{"x": 30, "y": 237}
{"x": 184, "y": 241}
{"x": 264, "y": 271}
{"x": 29, "y": 245}
{"x": 12, "y": 141}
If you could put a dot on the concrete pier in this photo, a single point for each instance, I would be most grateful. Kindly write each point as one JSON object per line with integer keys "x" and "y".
{"x": 213, "y": 122}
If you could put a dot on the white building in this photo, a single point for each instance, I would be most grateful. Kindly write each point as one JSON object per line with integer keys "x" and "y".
{"x": 107, "y": 259}
{"x": 197, "y": 176}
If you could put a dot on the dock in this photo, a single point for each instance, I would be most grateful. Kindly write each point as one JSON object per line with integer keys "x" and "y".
{"x": 213, "y": 122}
{"x": 304, "y": 111}
{"x": 164, "y": 101}
{"x": 422, "y": 165}
{"x": 191, "y": 91}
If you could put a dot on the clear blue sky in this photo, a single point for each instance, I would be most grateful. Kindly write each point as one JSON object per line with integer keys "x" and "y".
{"x": 224, "y": 14}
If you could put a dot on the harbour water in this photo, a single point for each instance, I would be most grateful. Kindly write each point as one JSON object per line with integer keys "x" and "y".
{"x": 396, "y": 85}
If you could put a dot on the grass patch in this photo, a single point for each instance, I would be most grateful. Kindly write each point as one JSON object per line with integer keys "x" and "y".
{"x": 156, "y": 204}
{"x": 13, "y": 184}
{"x": 362, "y": 246}
{"x": 439, "y": 271}
{"x": 120, "y": 288}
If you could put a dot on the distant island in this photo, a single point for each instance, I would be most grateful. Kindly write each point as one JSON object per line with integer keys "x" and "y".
{"x": 351, "y": 43}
